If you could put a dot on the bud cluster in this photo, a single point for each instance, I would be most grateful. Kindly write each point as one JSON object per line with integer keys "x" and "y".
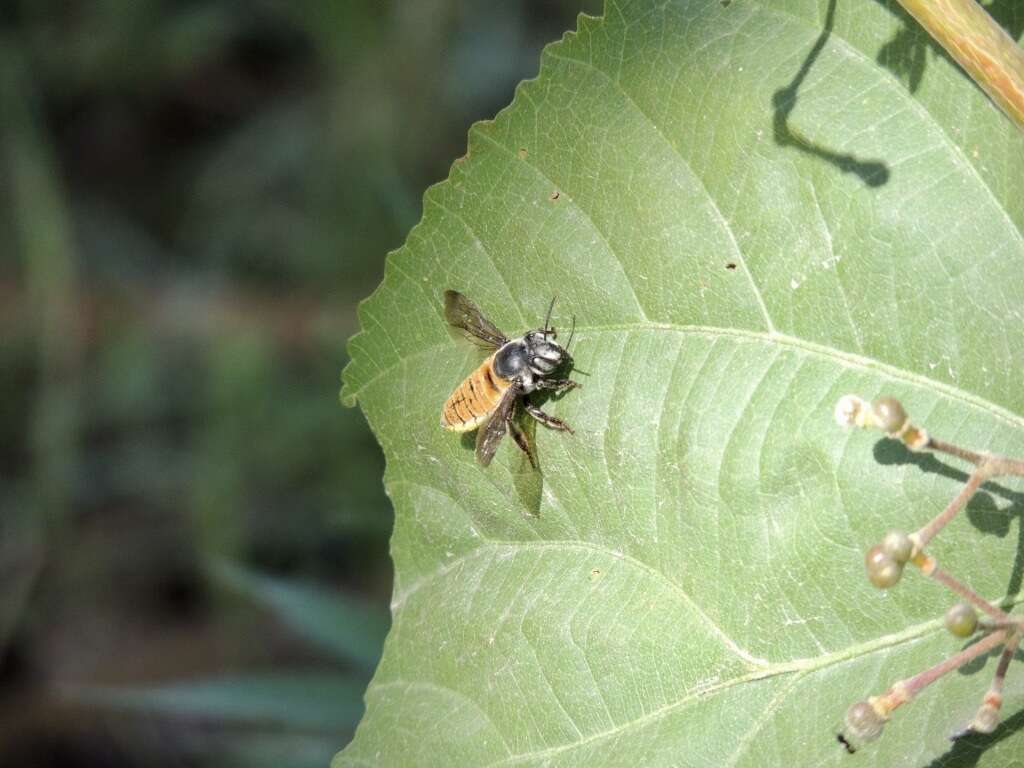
{"x": 886, "y": 560}
{"x": 886, "y": 414}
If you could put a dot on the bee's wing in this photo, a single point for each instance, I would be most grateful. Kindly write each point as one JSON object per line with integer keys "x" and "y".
{"x": 524, "y": 437}
{"x": 526, "y": 474}
{"x": 489, "y": 435}
{"x": 465, "y": 317}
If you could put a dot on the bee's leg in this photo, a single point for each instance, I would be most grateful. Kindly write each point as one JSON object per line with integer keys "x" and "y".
{"x": 545, "y": 419}
{"x": 519, "y": 435}
{"x": 558, "y": 385}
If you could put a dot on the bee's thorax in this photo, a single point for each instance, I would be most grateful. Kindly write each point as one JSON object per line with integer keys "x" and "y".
{"x": 528, "y": 359}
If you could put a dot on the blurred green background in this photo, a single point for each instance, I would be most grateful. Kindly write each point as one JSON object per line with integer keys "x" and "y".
{"x": 193, "y": 198}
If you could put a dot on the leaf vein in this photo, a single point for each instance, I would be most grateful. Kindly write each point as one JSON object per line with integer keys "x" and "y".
{"x": 716, "y": 212}
{"x": 590, "y": 219}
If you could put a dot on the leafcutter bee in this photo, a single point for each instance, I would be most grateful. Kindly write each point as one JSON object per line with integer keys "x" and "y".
{"x": 486, "y": 400}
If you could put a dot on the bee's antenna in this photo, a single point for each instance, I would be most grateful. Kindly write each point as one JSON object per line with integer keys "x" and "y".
{"x": 572, "y": 331}
{"x": 547, "y": 319}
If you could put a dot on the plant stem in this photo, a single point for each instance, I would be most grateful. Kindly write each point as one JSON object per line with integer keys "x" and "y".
{"x": 1004, "y": 663}
{"x": 966, "y": 454}
{"x": 986, "y": 719}
{"x": 979, "y": 45}
{"x": 1001, "y": 465}
{"x": 1012, "y": 622}
{"x": 932, "y": 571}
{"x": 912, "y": 686}
{"x": 925, "y": 534}
{"x": 993, "y": 464}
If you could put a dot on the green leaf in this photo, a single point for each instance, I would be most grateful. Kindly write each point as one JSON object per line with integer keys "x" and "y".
{"x": 307, "y": 700}
{"x": 347, "y": 628}
{"x": 750, "y": 216}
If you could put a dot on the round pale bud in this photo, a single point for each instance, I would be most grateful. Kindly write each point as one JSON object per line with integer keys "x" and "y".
{"x": 898, "y": 546}
{"x": 916, "y": 439}
{"x": 848, "y": 409}
{"x": 863, "y": 723}
{"x": 888, "y": 414}
{"x": 961, "y": 620}
{"x": 986, "y": 720}
{"x": 883, "y": 569}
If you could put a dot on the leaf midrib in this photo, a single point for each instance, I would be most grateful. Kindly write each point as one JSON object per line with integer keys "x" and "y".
{"x": 716, "y": 211}
{"x": 731, "y": 645}
{"x": 800, "y": 666}
{"x": 866, "y": 363}
{"x": 842, "y": 358}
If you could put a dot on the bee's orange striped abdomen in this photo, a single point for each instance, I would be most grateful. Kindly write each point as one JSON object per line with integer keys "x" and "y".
{"x": 475, "y": 399}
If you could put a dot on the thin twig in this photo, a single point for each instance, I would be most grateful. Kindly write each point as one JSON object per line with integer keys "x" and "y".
{"x": 865, "y": 719}
{"x": 1004, "y": 662}
{"x": 1012, "y": 622}
{"x": 986, "y": 719}
{"x": 979, "y": 45}
{"x": 1002, "y": 465}
{"x": 912, "y": 686}
{"x": 932, "y": 571}
{"x": 926, "y": 533}
{"x": 966, "y": 454}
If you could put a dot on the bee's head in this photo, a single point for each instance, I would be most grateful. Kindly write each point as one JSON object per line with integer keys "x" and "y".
{"x": 543, "y": 354}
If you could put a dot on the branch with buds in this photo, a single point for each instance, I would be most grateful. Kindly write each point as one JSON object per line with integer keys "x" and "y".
{"x": 885, "y": 563}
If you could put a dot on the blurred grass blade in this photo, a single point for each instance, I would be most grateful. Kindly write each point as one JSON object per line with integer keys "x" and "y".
{"x": 45, "y": 257}
{"x": 48, "y": 275}
{"x": 290, "y": 750}
{"x": 307, "y": 700}
{"x": 21, "y": 558}
{"x": 347, "y": 628}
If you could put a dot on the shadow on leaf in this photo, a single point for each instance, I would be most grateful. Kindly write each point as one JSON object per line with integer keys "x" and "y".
{"x": 906, "y": 54}
{"x": 976, "y": 665}
{"x": 968, "y": 750}
{"x": 528, "y": 481}
{"x": 983, "y": 510}
{"x": 873, "y": 173}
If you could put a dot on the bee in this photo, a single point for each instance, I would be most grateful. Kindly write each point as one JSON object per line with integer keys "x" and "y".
{"x": 487, "y": 399}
